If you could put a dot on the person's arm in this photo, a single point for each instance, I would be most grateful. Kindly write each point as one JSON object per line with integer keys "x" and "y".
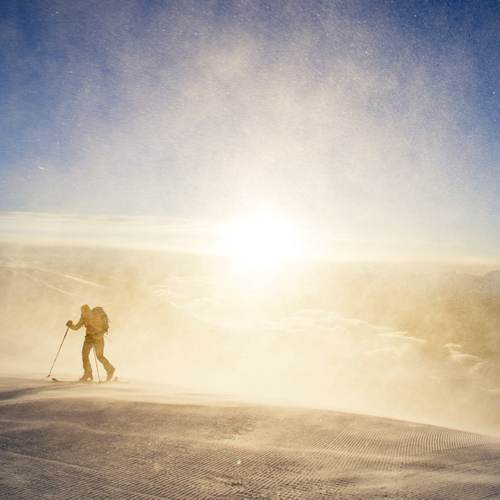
{"x": 70, "y": 324}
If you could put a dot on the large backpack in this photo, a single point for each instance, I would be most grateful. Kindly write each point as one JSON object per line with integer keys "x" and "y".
{"x": 100, "y": 320}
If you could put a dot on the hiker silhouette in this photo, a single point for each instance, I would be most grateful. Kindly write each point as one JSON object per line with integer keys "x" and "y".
{"x": 96, "y": 325}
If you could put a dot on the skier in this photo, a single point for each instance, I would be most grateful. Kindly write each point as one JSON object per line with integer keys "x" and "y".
{"x": 96, "y": 325}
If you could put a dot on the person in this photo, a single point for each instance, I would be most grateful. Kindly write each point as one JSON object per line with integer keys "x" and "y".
{"x": 94, "y": 338}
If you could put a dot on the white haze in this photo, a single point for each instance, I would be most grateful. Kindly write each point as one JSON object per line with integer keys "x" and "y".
{"x": 187, "y": 321}
{"x": 348, "y": 125}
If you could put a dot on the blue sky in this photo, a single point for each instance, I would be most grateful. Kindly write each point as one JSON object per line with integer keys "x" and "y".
{"x": 371, "y": 120}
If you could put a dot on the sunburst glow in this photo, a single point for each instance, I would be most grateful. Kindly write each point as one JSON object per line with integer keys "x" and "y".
{"x": 260, "y": 241}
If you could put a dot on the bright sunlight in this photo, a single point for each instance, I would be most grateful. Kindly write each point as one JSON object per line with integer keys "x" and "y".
{"x": 262, "y": 241}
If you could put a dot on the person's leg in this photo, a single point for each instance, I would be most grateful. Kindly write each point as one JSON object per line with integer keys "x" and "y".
{"x": 87, "y": 367}
{"x": 99, "y": 350}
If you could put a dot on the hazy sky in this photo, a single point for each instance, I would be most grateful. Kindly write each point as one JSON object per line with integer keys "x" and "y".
{"x": 372, "y": 122}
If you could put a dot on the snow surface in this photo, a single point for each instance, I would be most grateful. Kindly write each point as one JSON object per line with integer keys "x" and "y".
{"x": 126, "y": 440}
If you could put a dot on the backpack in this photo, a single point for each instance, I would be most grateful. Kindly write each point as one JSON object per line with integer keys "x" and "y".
{"x": 100, "y": 320}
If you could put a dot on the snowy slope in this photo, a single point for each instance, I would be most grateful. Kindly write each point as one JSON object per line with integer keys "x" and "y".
{"x": 114, "y": 441}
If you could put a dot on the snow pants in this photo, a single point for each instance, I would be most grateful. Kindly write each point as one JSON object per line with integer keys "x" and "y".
{"x": 98, "y": 344}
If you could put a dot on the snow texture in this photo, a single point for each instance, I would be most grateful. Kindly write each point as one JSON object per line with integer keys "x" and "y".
{"x": 127, "y": 441}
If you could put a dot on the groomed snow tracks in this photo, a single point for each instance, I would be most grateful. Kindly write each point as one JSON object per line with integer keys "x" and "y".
{"x": 75, "y": 448}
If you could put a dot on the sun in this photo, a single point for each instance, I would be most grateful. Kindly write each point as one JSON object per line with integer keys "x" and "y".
{"x": 260, "y": 241}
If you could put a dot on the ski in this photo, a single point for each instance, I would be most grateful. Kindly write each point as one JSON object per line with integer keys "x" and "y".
{"x": 58, "y": 380}
{"x": 115, "y": 379}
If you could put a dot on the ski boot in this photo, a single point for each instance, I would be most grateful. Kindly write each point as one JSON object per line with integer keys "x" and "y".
{"x": 110, "y": 375}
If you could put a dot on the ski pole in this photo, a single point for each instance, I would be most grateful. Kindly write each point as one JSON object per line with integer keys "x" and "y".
{"x": 97, "y": 366}
{"x": 58, "y": 351}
